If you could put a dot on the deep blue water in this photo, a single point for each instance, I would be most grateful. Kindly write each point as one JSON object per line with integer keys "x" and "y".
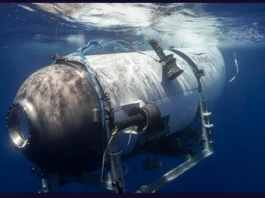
{"x": 237, "y": 164}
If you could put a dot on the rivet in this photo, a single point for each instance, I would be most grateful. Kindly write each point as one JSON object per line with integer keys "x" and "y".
{"x": 6, "y": 117}
{"x": 6, "y": 126}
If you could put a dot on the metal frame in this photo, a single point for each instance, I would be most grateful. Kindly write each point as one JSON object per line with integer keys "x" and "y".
{"x": 179, "y": 170}
{"x": 206, "y": 137}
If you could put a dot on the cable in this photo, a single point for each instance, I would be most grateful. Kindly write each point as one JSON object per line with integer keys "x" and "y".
{"x": 110, "y": 140}
{"x": 104, "y": 155}
{"x": 125, "y": 146}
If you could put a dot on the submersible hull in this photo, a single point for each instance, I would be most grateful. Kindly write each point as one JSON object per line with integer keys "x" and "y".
{"x": 59, "y": 100}
{"x": 131, "y": 77}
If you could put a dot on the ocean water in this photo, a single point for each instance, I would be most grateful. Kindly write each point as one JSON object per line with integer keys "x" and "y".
{"x": 30, "y": 33}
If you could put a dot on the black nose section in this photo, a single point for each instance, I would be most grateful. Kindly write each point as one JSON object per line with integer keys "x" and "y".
{"x": 58, "y": 104}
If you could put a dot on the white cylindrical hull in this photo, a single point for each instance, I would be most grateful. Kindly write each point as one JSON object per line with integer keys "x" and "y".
{"x": 132, "y": 77}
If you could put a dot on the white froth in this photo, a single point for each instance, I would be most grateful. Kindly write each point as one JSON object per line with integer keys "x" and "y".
{"x": 176, "y": 24}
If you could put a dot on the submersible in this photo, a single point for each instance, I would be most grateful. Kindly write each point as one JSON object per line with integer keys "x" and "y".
{"x": 149, "y": 98}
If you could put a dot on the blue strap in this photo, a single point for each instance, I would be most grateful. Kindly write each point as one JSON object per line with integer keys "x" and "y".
{"x": 95, "y": 46}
